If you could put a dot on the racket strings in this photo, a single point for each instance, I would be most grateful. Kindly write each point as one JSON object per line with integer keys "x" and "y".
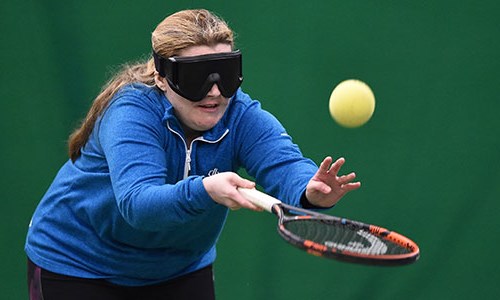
{"x": 343, "y": 237}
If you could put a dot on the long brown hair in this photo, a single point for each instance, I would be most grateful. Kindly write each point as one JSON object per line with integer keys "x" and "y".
{"x": 176, "y": 32}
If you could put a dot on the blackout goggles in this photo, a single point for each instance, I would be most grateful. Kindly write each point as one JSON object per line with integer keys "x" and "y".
{"x": 192, "y": 77}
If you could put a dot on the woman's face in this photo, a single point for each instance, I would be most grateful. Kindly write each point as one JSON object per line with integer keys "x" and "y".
{"x": 203, "y": 115}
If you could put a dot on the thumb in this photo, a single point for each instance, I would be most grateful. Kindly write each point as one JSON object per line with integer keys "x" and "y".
{"x": 318, "y": 186}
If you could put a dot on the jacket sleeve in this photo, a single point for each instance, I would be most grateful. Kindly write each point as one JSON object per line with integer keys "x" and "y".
{"x": 268, "y": 154}
{"x": 131, "y": 135}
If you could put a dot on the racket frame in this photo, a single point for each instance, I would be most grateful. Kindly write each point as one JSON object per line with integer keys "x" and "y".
{"x": 314, "y": 248}
{"x": 287, "y": 213}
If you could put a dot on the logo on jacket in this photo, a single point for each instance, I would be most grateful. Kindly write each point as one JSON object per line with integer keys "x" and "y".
{"x": 213, "y": 172}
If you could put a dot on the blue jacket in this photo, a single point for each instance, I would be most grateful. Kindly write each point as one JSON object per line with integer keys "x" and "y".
{"x": 132, "y": 208}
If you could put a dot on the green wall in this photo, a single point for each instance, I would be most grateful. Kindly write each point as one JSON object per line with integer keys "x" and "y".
{"x": 429, "y": 159}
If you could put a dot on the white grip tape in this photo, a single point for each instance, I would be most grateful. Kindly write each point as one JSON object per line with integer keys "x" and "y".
{"x": 259, "y": 198}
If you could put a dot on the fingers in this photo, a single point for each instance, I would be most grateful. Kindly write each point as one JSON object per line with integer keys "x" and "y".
{"x": 241, "y": 202}
{"x": 351, "y": 186}
{"x": 346, "y": 182}
{"x": 346, "y": 178}
{"x": 324, "y": 167}
{"x": 238, "y": 200}
{"x": 244, "y": 183}
{"x": 222, "y": 188}
{"x": 327, "y": 179}
{"x": 335, "y": 167}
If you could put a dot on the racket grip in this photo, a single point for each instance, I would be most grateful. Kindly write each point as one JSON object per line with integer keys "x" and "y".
{"x": 259, "y": 198}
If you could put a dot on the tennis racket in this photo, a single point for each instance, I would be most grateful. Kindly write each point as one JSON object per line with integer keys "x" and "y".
{"x": 334, "y": 237}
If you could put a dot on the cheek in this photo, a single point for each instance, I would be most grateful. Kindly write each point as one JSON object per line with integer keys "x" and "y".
{"x": 177, "y": 102}
{"x": 183, "y": 112}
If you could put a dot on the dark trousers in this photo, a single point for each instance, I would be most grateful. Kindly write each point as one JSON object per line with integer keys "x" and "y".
{"x": 46, "y": 285}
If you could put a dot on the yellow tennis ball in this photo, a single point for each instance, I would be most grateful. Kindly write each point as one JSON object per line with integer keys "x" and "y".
{"x": 352, "y": 103}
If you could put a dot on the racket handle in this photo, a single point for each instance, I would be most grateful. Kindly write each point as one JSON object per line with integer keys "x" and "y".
{"x": 259, "y": 198}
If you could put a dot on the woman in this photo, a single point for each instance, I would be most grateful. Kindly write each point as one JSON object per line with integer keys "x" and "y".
{"x": 137, "y": 209}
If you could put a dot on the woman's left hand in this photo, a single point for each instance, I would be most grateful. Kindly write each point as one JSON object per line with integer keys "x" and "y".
{"x": 326, "y": 187}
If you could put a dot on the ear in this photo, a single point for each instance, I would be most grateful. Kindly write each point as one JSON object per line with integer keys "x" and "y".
{"x": 161, "y": 82}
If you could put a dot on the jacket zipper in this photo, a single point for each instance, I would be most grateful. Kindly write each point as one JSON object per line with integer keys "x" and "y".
{"x": 187, "y": 167}
{"x": 187, "y": 162}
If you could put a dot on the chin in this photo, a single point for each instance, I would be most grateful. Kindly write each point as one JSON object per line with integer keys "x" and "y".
{"x": 207, "y": 124}
{"x": 206, "y": 127}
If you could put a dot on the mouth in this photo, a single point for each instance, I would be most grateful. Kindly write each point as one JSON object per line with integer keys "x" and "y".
{"x": 209, "y": 105}
{"x": 209, "y": 108}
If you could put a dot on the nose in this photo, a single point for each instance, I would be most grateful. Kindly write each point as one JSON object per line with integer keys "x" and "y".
{"x": 214, "y": 91}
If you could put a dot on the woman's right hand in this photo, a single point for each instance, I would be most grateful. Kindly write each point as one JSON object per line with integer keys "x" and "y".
{"x": 222, "y": 188}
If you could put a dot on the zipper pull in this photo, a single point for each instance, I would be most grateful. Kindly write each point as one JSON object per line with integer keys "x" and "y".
{"x": 187, "y": 165}
{"x": 188, "y": 160}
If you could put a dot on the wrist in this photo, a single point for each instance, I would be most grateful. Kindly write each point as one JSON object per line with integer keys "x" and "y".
{"x": 305, "y": 203}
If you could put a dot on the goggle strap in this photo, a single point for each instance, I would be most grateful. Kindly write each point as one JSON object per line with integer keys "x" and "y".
{"x": 159, "y": 64}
